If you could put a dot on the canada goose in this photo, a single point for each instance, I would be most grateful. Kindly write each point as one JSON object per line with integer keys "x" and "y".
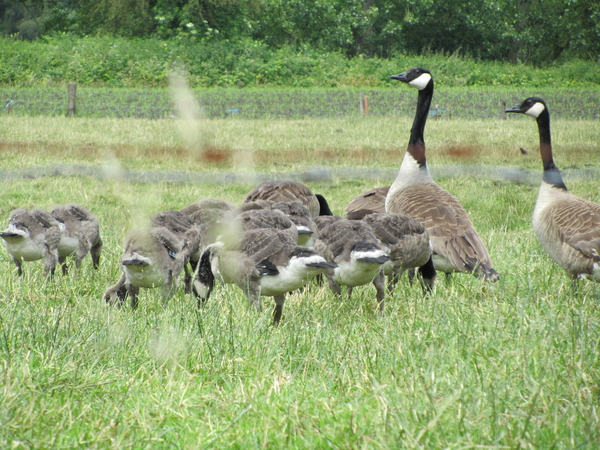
{"x": 152, "y": 258}
{"x": 352, "y": 245}
{"x": 80, "y": 235}
{"x": 407, "y": 245}
{"x": 183, "y": 227}
{"x": 266, "y": 262}
{"x": 370, "y": 200}
{"x": 456, "y": 245}
{"x": 283, "y": 191}
{"x": 568, "y": 227}
{"x": 298, "y": 213}
{"x": 32, "y": 234}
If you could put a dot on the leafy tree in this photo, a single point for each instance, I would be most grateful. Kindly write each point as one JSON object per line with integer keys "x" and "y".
{"x": 530, "y": 31}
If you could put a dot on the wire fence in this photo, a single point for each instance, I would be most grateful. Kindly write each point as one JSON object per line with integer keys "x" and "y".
{"x": 467, "y": 103}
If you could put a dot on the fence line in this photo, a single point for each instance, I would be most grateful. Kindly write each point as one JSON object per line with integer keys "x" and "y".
{"x": 288, "y": 103}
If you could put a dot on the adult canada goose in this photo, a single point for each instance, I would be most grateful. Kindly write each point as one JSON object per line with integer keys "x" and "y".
{"x": 407, "y": 245}
{"x": 372, "y": 200}
{"x": 32, "y": 234}
{"x": 298, "y": 213}
{"x": 152, "y": 258}
{"x": 267, "y": 262}
{"x": 284, "y": 191}
{"x": 568, "y": 227}
{"x": 80, "y": 235}
{"x": 352, "y": 245}
{"x": 456, "y": 245}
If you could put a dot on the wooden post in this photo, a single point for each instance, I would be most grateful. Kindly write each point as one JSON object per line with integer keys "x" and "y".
{"x": 71, "y": 99}
{"x": 503, "y": 112}
{"x": 363, "y": 105}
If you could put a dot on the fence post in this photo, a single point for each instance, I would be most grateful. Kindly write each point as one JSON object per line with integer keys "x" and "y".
{"x": 71, "y": 99}
{"x": 363, "y": 105}
{"x": 503, "y": 112}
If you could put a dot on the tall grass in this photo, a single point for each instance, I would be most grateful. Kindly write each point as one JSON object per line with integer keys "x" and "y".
{"x": 510, "y": 365}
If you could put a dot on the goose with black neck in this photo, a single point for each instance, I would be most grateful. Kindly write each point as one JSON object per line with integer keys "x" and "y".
{"x": 455, "y": 243}
{"x": 568, "y": 227}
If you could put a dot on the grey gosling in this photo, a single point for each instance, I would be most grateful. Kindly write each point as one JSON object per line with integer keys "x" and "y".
{"x": 265, "y": 262}
{"x": 406, "y": 243}
{"x": 80, "y": 235}
{"x": 183, "y": 227}
{"x": 352, "y": 245}
{"x": 152, "y": 258}
{"x": 32, "y": 234}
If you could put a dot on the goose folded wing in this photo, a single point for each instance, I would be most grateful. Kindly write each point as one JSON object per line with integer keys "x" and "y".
{"x": 168, "y": 240}
{"x": 79, "y": 212}
{"x": 261, "y": 244}
{"x": 580, "y": 227}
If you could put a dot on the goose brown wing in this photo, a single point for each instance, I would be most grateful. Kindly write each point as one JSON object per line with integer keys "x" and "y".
{"x": 79, "y": 212}
{"x": 370, "y": 200}
{"x": 338, "y": 236}
{"x": 264, "y": 219}
{"x": 50, "y": 225}
{"x": 261, "y": 244}
{"x": 174, "y": 221}
{"x": 284, "y": 191}
{"x": 450, "y": 230}
{"x": 578, "y": 223}
{"x": 390, "y": 228}
{"x": 168, "y": 240}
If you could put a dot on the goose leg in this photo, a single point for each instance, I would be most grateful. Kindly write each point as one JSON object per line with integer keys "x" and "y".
{"x": 50, "y": 259}
{"x": 393, "y": 280}
{"x": 95, "y": 252}
{"x": 62, "y": 260}
{"x": 82, "y": 250}
{"x": 279, "y": 301}
{"x": 168, "y": 288}
{"x": 133, "y": 292}
{"x": 335, "y": 288}
{"x": 428, "y": 273}
{"x": 18, "y": 263}
{"x": 115, "y": 295}
{"x": 379, "y": 282}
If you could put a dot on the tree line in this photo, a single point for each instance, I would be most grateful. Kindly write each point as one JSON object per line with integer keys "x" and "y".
{"x": 537, "y": 32}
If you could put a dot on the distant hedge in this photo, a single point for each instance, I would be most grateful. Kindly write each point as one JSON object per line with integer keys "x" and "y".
{"x": 129, "y": 63}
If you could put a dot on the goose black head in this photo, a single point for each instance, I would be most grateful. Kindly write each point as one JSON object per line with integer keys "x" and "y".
{"x": 532, "y": 106}
{"x": 415, "y": 77}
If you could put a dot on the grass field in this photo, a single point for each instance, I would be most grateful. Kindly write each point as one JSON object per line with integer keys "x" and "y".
{"x": 515, "y": 365}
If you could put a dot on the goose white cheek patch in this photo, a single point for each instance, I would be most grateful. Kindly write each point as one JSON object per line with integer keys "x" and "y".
{"x": 535, "y": 110}
{"x": 421, "y": 81}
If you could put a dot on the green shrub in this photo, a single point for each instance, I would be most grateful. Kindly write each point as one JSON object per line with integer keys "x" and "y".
{"x": 118, "y": 62}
